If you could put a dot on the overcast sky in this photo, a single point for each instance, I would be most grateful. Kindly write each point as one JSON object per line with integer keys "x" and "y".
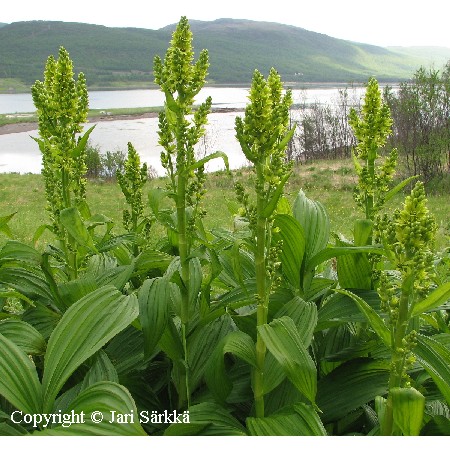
{"x": 378, "y": 22}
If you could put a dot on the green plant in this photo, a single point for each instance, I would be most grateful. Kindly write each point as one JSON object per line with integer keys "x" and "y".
{"x": 131, "y": 182}
{"x": 263, "y": 134}
{"x": 181, "y": 80}
{"x": 62, "y": 105}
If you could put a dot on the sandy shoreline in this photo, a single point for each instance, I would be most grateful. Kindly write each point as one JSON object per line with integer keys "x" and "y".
{"x": 22, "y": 127}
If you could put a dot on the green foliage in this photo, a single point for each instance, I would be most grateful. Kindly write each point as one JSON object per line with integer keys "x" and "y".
{"x": 252, "y": 330}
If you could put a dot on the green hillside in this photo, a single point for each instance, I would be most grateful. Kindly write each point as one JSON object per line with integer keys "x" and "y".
{"x": 123, "y": 56}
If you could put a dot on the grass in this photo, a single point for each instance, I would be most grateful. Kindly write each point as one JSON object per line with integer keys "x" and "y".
{"x": 330, "y": 182}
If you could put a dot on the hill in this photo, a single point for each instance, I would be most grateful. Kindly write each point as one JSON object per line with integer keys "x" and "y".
{"x": 124, "y": 56}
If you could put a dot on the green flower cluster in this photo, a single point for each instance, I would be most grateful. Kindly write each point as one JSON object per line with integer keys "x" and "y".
{"x": 131, "y": 182}
{"x": 62, "y": 106}
{"x": 408, "y": 239}
{"x": 371, "y": 131}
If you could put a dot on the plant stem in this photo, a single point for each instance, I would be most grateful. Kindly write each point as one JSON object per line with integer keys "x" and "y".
{"x": 260, "y": 267}
{"x": 397, "y": 360}
{"x": 183, "y": 251}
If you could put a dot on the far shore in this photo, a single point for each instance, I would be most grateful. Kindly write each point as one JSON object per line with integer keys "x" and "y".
{"x": 22, "y": 127}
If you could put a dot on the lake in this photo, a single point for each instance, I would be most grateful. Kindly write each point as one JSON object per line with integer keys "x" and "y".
{"x": 20, "y": 153}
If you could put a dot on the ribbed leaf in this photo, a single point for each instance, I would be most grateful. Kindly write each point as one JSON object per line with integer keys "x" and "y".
{"x": 85, "y": 327}
{"x": 154, "y": 300}
{"x": 102, "y": 369}
{"x": 373, "y": 318}
{"x": 340, "y": 308}
{"x": 208, "y": 419}
{"x": 292, "y": 235}
{"x": 285, "y": 343}
{"x": 73, "y": 223}
{"x": 19, "y": 382}
{"x": 42, "y": 318}
{"x": 313, "y": 218}
{"x": 17, "y": 251}
{"x": 350, "y": 386}
{"x": 301, "y": 420}
{"x": 436, "y": 298}
{"x": 201, "y": 345}
{"x": 24, "y": 336}
{"x": 408, "y": 405}
{"x": 237, "y": 343}
{"x": 29, "y": 283}
{"x": 103, "y": 397}
{"x": 435, "y": 358}
{"x": 304, "y": 315}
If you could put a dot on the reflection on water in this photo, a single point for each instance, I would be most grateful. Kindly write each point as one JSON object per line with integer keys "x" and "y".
{"x": 20, "y": 153}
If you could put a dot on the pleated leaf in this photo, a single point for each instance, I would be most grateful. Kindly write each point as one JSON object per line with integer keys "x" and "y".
{"x": 154, "y": 300}
{"x": 408, "y": 405}
{"x": 72, "y": 221}
{"x": 102, "y": 397}
{"x": 304, "y": 315}
{"x": 237, "y": 343}
{"x": 24, "y": 336}
{"x": 350, "y": 386}
{"x": 85, "y": 327}
{"x": 285, "y": 343}
{"x": 19, "y": 382}
{"x": 292, "y": 235}
{"x": 302, "y": 420}
{"x": 314, "y": 220}
{"x": 208, "y": 419}
{"x": 435, "y": 358}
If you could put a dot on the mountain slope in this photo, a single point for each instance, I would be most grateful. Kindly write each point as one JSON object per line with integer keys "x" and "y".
{"x": 236, "y": 48}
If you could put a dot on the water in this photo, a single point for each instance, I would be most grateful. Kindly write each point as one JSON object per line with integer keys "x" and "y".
{"x": 20, "y": 153}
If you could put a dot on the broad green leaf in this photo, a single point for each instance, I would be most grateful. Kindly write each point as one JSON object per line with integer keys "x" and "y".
{"x": 126, "y": 351}
{"x": 207, "y": 419}
{"x": 285, "y": 343}
{"x": 436, "y": 298}
{"x": 334, "y": 252}
{"x": 42, "y": 318}
{"x": 237, "y": 343}
{"x": 72, "y": 221}
{"x": 151, "y": 259}
{"x": 373, "y": 318}
{"x": 354, "y": 270}
{"x": 408, "y": 405}
{"x": 314, "y": 220}
{"x": 17, "y": 251}
{"x": 438, "y": 426}
{"x": 201, "y": 345}
{"x": 435, "y": 358}
{"x": 24, "y": 336}
{"x": 340, "y": 308}
{"x": 103, "y": 397}
{"x": 72, "y": 291}
{"x": 301, "y": 420}
{"x": 85, "y": 327}
{"x": 28, "y": 282}
{"x": 292, "y": 235}
{"x": 304, "y": 315}
{"x": 154, "y": 301}
{"x": 116, "y": 276}
{"x": 102, "y": 369}
{"x": 19, "y": 382}
{"x": 350, "y": 386}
